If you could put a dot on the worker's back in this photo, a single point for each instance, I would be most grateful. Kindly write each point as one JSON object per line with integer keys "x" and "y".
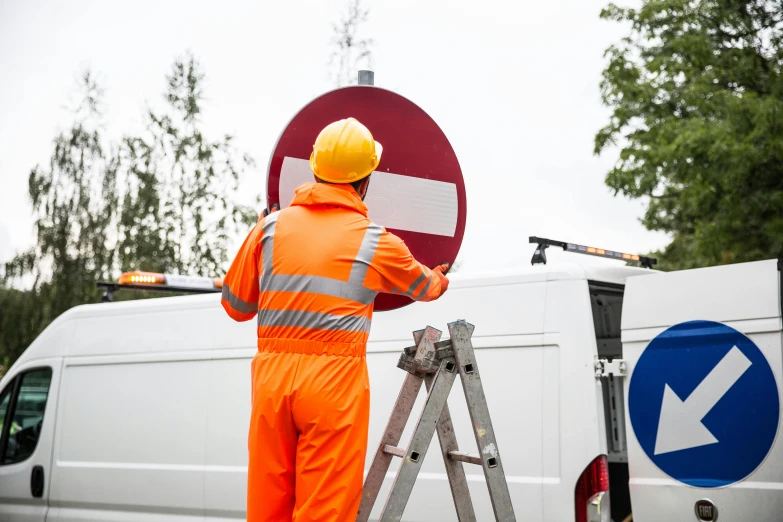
{"x": 312, "y": 271}
{"x": 314, "y": 261}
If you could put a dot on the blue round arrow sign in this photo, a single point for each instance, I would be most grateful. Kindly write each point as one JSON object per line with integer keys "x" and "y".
{"x": 704, "y": 404}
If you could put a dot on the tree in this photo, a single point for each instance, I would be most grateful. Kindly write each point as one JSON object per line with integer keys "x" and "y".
{"x": 178, "y": 211}
{"x": 74, "y": 201}
{"x": 23, "y": 314}
{"x": 349, "y": 50}
{"x": 697, "y": 109}
{"x": 161, "y": 201}
{"x": 73, "y": 205}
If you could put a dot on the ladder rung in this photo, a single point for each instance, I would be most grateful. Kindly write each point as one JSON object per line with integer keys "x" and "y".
{"x": 393, "y": 450}
{"x": 470, "y": 458}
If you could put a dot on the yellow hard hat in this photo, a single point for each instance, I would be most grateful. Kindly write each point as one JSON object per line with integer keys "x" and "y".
{"x": 344, "y": 152}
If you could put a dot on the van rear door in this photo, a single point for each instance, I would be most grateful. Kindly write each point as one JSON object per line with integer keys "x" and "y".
{"x": 703, "y": 349}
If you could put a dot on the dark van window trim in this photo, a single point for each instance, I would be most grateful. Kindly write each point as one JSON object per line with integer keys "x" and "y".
{"x": 10, "y": 413}
{"x": 17, "y": 383}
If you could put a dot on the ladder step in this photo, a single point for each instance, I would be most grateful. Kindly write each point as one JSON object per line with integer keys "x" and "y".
{"x": 470, "y": 458}
{"x": 393, "y": 450}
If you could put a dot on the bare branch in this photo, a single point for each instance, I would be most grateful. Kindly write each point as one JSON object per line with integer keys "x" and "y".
{"x": 350, "y": 51}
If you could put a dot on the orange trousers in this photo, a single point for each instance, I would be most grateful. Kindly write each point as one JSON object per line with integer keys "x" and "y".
{"x": 308, "y": 436}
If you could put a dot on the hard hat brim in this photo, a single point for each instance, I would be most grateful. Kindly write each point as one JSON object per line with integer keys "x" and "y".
{"x": 378, "y": 153}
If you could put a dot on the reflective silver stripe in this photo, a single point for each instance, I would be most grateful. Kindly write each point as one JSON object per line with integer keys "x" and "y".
{"x": 353, "y": 289}
{"x": 240, "y": 305}
{"x": 426, "y": 287}
{"x": 315, "y": 320}
{"x": 415, "y": 284}
{"x": 318, "y": 285}
{"x": 268, "y": 247}
{"x": 366, "y": 252}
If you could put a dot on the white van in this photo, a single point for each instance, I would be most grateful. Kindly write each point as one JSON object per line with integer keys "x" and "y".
{"x": 138, "y": 411}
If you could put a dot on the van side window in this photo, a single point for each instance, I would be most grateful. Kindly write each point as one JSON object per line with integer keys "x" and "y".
{"x": 24, "y": 415}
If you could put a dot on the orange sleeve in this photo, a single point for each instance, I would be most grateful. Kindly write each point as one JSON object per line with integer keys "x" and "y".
{"x": 395, "y": 271}
{"x": 240, "y": 286}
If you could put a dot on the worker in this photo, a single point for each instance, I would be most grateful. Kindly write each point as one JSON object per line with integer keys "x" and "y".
{"x": 311, "y": 272}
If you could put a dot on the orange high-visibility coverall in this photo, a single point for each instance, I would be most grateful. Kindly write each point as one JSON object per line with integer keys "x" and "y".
{"x": 311, "y": 272}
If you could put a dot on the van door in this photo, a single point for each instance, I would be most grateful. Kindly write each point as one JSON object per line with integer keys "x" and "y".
{"x": 703, "y": 348}
{"x": 27, "y": 417}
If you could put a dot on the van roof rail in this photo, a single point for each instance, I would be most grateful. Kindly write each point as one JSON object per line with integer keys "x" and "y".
{"x": 539, "y": 256}
{"x": 155, "y": 282}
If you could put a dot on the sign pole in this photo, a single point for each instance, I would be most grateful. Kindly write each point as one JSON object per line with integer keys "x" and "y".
{"x": 366, "y": 77}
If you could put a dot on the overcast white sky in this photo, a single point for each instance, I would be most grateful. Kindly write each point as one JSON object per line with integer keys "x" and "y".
{"x": 513, "y": 84}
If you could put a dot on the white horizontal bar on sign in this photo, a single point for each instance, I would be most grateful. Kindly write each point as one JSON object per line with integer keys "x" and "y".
{"x": 394, "y": 201}
{"x": 293, "y": 173}
{"x": 414, "y": 204}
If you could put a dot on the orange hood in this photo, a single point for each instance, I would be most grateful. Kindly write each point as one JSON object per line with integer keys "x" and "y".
{"x": 345, "y": 196}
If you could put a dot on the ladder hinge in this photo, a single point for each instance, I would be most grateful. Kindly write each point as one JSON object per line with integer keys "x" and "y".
{"x": 605, "y": 368}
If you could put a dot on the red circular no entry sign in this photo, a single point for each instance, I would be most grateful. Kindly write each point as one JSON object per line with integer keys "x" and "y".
{"x": 417, "y": 192}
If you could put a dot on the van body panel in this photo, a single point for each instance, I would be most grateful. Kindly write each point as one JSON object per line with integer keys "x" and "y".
{"x": 576, "y": 437}
{"x": 118, "y": 514}
{"x": 228, "y": 421}
{"x": 158, "y": 392}
{"x": 486, "y": 307}
{"x": 746, "y": 291}
{"x": 161, "y": 329}
{"x": 127, "y": 428}
{"x": 745, "y": 297}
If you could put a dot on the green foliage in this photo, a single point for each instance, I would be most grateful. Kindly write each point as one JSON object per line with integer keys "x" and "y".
{"x": 24, "y": 315}
{"x": 178, "y": 213}
{"x": 73, "y": 203}
{"x": 697, "y": 100}
{"x": 161, "y": 201}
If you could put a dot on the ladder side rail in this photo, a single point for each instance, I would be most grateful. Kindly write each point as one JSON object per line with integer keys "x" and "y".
{"x": 460, "y": 333}
{"x": 458, "y": 482}
{"x": 417, "y": 449}
{"x": 391, "y": 436}
{"x": 425, "y": 340}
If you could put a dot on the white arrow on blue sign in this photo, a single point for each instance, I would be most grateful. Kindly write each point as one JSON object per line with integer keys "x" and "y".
{"x": 704, "y": 404}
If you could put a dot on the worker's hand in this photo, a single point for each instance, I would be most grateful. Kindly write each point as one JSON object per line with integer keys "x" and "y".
{"x": 275, "y": 208}
{"x": 440, "y": 271}
{"x": 443, "y": 268}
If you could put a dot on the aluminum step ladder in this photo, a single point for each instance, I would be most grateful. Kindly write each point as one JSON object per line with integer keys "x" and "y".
{"x": 436, "y": 363}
